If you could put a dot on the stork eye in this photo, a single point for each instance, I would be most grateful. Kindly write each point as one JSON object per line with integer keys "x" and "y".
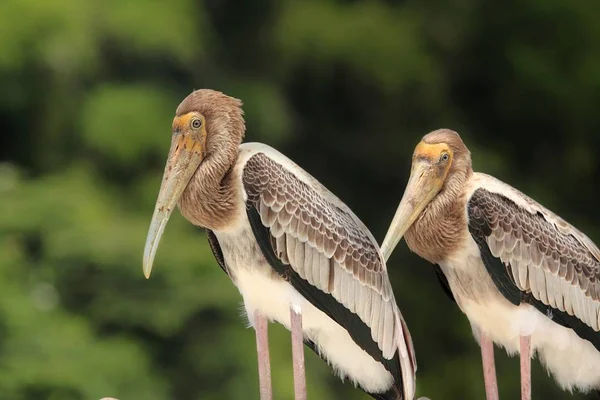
{"x": 196, "y": 123}
{"x": 445, "y": 157}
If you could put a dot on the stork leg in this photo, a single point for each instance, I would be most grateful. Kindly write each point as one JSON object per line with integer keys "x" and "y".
{"x": 489, "y": 367}
{"x": 264, "y": 361}
{"x": 525, "y": 368}
{"x": 298, "y": 354}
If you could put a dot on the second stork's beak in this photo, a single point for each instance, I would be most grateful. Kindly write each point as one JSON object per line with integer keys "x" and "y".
{"x": 423, "y": 185}
{"x": 184, "y": 158}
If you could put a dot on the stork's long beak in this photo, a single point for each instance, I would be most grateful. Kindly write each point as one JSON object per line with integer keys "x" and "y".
{"x": 424, "y": 183}
{"x": 184, "y": 158}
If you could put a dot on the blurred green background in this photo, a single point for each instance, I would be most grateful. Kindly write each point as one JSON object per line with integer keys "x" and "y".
{"x": 88, "y": 90}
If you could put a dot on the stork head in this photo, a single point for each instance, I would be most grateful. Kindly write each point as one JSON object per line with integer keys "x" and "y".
{"x": 439, "y": 157}
{"x": 207, "y": 124}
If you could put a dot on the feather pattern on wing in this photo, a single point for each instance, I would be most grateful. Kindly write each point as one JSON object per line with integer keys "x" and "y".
{"x": 542, "y": 254}
{"x": 328, "y": 246}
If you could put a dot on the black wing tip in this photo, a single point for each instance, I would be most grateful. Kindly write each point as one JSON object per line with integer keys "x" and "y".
{"x": 394, "y": 393}
{"x": 568, "y": 321}
{"x": 444, "y": 282}
{"x": 216, "y": 249}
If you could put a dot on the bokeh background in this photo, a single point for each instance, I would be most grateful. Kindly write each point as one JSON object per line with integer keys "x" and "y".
{"x": 88, "y": 90}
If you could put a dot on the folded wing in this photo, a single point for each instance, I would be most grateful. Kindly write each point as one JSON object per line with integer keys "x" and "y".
{"x": 330, "y": 257}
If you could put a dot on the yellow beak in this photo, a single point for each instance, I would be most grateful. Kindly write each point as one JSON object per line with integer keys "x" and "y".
{"x": 184, "y": 158}
{"x": 423, "y": 185}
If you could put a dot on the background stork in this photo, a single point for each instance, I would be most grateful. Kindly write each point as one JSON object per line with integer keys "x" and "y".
{"x": 525, "y": 278}
{"x": 297, "y": 254}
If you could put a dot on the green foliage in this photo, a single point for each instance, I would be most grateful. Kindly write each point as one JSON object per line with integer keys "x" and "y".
{"x": 170, "y": 29}
{"x": 380, "y": 42}
{"x": 125, "y": 122}
{"x": 345, "y": 88}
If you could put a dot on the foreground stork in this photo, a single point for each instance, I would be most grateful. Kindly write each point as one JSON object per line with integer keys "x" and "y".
{"x": 296, "y": 253}
{"x": 525, "y": 278}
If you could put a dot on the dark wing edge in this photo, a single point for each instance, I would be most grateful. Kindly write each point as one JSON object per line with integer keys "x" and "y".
{"x": 530, "y": 261}
{"x": 391, "y": 394}
{"x": 443, "y": 282}
{"x": 329, "y": 259}
{"x": 213, "y": 242}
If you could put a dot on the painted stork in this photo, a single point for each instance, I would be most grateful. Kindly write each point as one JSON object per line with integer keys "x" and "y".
{"x": 296, "y": 253}
{"x": 525, "y": 278}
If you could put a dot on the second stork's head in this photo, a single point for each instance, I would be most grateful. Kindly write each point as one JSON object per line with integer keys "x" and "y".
{"x": 440, "y": 164}
{"x": 207, "y": 129}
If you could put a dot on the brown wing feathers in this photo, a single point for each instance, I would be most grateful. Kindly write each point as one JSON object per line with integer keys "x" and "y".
{"x": 553, "y": 267}
{"x": 325, "y": 247}
{"x": 323, "y": 244}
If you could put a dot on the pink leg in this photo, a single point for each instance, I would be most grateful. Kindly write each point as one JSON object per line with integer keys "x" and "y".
{"x": 525, "y": 368}
{"x": 489, "y": 368}
{"x": 264, "y": 362}
{"x": 298, "y": 355}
